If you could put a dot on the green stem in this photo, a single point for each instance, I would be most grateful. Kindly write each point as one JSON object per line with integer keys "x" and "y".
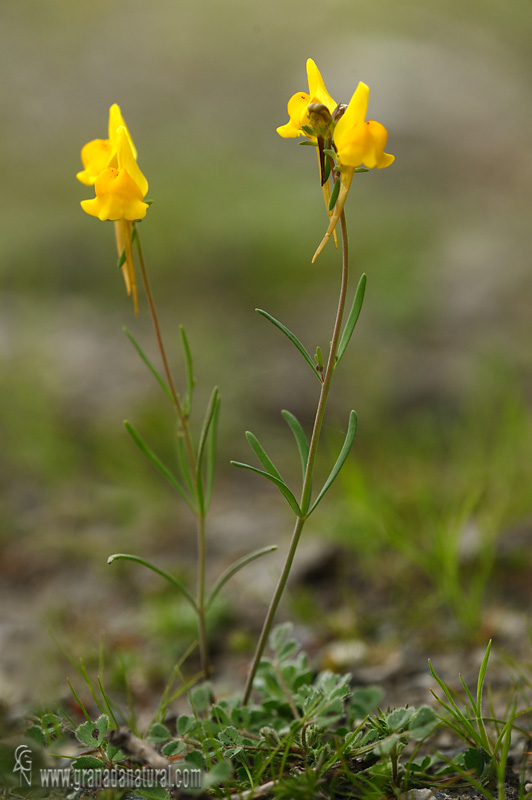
{"x": 171, "y": 385}
{"x": 200, "y": 600}
{"x": 307, "y": 482}
{"x": 183, "y": 419}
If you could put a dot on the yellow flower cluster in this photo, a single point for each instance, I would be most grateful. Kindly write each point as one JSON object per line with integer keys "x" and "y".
{"x": 110, "y": 165}
{"x": 341, "y": 129}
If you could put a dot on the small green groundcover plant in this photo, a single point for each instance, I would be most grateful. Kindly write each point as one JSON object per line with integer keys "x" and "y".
{"x": 289, "y": 733}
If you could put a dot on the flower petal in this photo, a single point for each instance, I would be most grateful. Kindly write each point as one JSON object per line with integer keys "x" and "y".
{"x": 95, "y": 157}
{"x": 116, "y": 121}
{"x": 117, "y": 197}
{"x": 126, "y": 160}
{"x": 296, "y": 106}
{"x": 355, "y": 111}
{"x": 317, "y": 90}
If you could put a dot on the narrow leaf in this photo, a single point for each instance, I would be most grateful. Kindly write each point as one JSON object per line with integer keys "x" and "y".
{"x": 326, "y": 170}
{"x": 334, "y": 194}
{"x": 299, "y": 435}
{"x": 156, "y": 461}
{"x": 210, "y": 453}
{"x": 183, "y": 462}
{"x": 157, "y": 375}
{"x": 236, "y": 567}
{"x": 259, "y": 450}
{"x": 352, "y": 318}
{"x": 189, "y": 369}
{"x": 283, "y": 488}
{"x": 295, "y": 341}
{"x": 481, "y": 677}
{"x": 211, "y": 409}
{"x": 350, "y": 436}
{"x": 173, "y": 580}
{"x": 206, "y": 425}
{"x": 308, "y": 144}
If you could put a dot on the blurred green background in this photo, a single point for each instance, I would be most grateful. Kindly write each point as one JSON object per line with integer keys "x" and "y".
{"x": 438, "y": 371}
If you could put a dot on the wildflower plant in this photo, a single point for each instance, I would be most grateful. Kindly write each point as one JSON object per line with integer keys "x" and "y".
{"x": 345, "y": 144}
{"x": 120, "y": 187}
{"x": 308, "y": 735}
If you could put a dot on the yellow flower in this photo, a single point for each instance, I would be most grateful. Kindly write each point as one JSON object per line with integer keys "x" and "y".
{"x": 298, "y": 104}
{"x": 120, "y": 187}
{"x": 357, "y": 143}
{"x": 119, "y": 190}
{"x": 101, "y": 153}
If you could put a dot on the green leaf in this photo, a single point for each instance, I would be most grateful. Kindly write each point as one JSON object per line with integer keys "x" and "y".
{"x": 364, "y": 699}
{"x": 299, "y": 435}
{"x": 92, "y": 734}
{"x": 295, "y": 341}
{"x": 36, "y": 734}
{"x": 352, "y": 318}
{"x": 334, "y": 194}
{"x": 209, "y": 415}
{"x": 329, "y": 152}
{"x": 210, "y": 452}
{"x": 326, "y": 170}
{"x": 146, "y": 450}
{"x": 185, "y": 724}
{"x": 200, "y": 697}
{"x": 156, "y": 374}
{"x": 158, "y": 733}
{"x": 189, "y": 368}
{"x": 481, "y": 677}
{"x": 173, "y": 748}
{"x": 183, "y": 462}
{"x": 476, "y": 759}
{"x": 236, "y": 567}
{"x": 350, "y": 436}
{"x": 261, "y": 454}
{"x": 152, "y": 792}
{"x": 174, "y": 581}
{"x": 218, "y": 775}
{"x": 88, "y": 762}
{"x": 279, "y": 636}
{"x": 308, "y": 144}
{"x": 283, "y": 488}
{"x": 423, "y": 723}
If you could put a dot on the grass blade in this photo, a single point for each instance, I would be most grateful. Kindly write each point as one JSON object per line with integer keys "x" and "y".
{"x": 156, "y": 374}
{"x": 349, "y": 438}
{"x": 295, "y": 341}
{"x": 299, "y": 435}
{"x": 283, "y": 488}
{"x": 146, "y": 450}
{"x": 352, "y": 318}
{"x": 174, "y": 581}
{"x": 234, "y": 568}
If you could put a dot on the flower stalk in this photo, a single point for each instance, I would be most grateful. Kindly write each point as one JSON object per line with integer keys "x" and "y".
{"x": 306, "y": 491}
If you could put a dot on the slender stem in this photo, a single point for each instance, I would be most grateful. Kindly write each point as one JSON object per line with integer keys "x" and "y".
{"x": 307, "y": 481}
{"x": 153, "y": 311}
{"x": 183, "y": 418}
{"x": 200, "y": 600}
